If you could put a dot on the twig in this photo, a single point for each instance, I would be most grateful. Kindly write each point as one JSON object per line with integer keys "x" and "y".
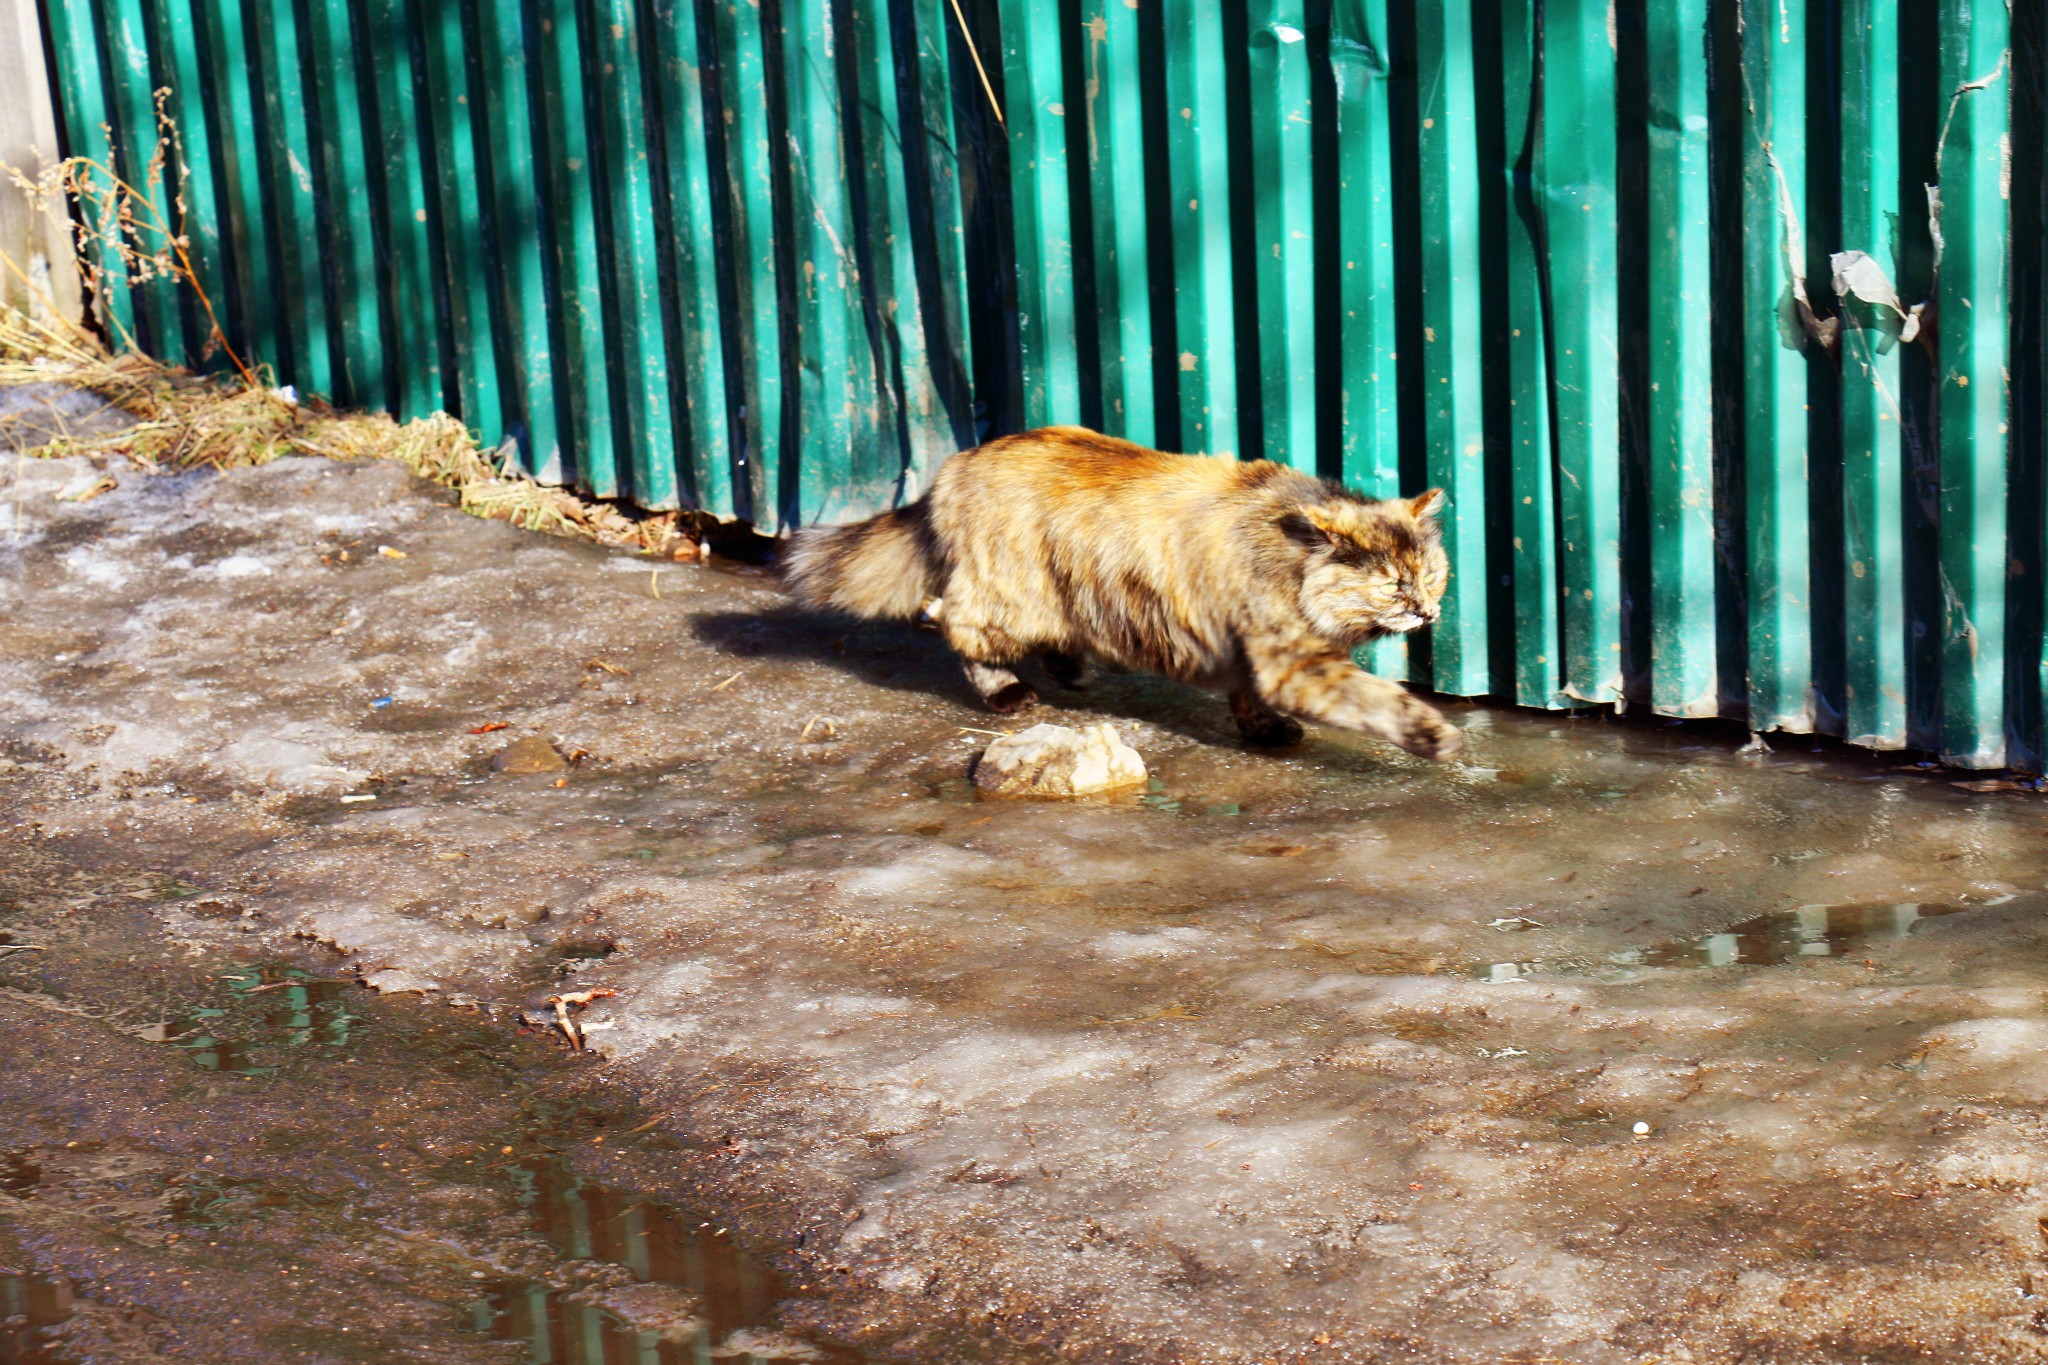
{"x": 33, "y": 289}
{"x": 578, "y": 998}
{"x": 980, "y": 70}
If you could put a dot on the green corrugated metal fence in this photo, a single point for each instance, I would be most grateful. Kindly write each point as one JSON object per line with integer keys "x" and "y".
{"x": 1720, "y": 320}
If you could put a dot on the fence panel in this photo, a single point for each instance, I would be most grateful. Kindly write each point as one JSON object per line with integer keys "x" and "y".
{"x": 1704, "y": 313}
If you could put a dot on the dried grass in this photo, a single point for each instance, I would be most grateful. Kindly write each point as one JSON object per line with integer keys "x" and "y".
{"x": 186, "y": 421}
{"x": 130, "y": 233}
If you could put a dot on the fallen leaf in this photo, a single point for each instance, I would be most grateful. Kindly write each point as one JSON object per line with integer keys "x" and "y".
{"x": 490, "y": 727}
{"x": 85, "y": 488}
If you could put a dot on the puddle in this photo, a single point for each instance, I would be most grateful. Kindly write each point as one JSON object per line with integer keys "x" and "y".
{"x": 18, "y": 1175}
{"x": 28, "y": 1304}
{"x": 1810, "y": 931}
{"x": 268, "y": 1008}
{"x": 650, "y": 1285}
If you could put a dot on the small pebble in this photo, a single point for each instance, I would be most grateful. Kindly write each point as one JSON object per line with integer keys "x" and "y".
{"x": 1642, "y": 1129}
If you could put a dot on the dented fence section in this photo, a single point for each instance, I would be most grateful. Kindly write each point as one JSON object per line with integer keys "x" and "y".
{"x": 1773, "y": 319}
{"x": 1863, "y": 267}
{"x": 1969, "y": 205}
{"x": 1682, "y": 663}
{"x": 1447, "y": 147}
{"x": 1577, "y": 183}
{"x": 1703, "y": 313}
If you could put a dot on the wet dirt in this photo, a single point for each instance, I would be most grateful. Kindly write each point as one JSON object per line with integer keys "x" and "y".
{"x": 249, "y": 1160}
{"x": 1330, "y": 1055}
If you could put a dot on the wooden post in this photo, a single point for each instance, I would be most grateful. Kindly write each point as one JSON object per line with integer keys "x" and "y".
{"x": 37, "y": 243}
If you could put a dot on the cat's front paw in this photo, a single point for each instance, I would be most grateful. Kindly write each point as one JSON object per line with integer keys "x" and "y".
{"x": 1426, "y": 734}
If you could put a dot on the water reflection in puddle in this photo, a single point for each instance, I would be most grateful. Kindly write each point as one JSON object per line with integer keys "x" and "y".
{"x": 268, "y": 1007}
{"x": 648, "y": 1285}
{"x": 28, "y": 1304}
{"x": 1806, "y": 932}
{"x": 1809, "y": 931}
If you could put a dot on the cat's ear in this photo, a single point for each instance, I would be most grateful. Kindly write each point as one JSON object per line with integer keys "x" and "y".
{"x": 1309, "y": 526}
{"x": 1320, "y": 518}
{"x": 1427, "y": 504}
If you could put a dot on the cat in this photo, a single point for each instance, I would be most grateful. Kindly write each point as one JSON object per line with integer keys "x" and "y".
{"x": 1245, "y": 576}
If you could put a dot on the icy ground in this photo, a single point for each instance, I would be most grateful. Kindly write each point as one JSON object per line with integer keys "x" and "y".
{"x": 1600, "y": 1044}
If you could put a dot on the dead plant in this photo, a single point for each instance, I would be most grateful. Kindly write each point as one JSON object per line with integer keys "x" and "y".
{"x": 128, "y": 235}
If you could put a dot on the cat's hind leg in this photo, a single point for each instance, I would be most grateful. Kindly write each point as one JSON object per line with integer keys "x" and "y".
{"x": 1067, "y": 670}
{"x": 1005, "y": 693}
{"x": 1332, "y": 690}
{"x": 1260, "y": 726}
{"x": 987, "y": 659}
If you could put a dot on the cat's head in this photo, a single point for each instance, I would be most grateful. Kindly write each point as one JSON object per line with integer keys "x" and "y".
{"x": 1373, "y": 568}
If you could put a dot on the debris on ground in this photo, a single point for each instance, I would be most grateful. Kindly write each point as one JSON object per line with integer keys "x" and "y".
{"x": 670, "y": 1313}
{"x": 567, "y": 1022}
{"x": 763, "y": 1345}
{"x": 86, "y": 487}
{"x": 399, "y": 981}
{"x": 1056, "y": 760}
{"x": 525, "y": 757}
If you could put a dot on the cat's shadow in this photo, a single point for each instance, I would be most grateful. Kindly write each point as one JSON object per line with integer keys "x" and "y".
{"x": 904, "y": 658}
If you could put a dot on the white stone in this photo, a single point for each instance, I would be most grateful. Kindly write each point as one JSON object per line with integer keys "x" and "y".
{"x": 1054, "y": 760}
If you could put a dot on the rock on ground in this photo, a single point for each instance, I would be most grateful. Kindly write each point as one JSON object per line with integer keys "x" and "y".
{"x": 524, "y": 757}
{"x": 1058, "y": 760}
{"x": 1331, "y": 1056}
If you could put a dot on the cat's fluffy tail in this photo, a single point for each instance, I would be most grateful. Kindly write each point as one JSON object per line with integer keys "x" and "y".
{"x": 881, "y": 567}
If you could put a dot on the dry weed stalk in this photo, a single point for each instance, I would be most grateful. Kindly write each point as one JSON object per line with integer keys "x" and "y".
{"x": 124, "y": 234}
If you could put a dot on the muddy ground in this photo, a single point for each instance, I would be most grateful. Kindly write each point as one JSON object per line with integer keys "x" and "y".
{"x": 240, "y": 1155}
{"x": 1331, "y": 1055}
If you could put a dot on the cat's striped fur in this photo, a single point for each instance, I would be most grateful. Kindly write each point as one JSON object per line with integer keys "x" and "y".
{"x": 1249, "y": 577}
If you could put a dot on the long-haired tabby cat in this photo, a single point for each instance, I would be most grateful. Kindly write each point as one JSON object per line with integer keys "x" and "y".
{"x": 1067, "y": 544}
